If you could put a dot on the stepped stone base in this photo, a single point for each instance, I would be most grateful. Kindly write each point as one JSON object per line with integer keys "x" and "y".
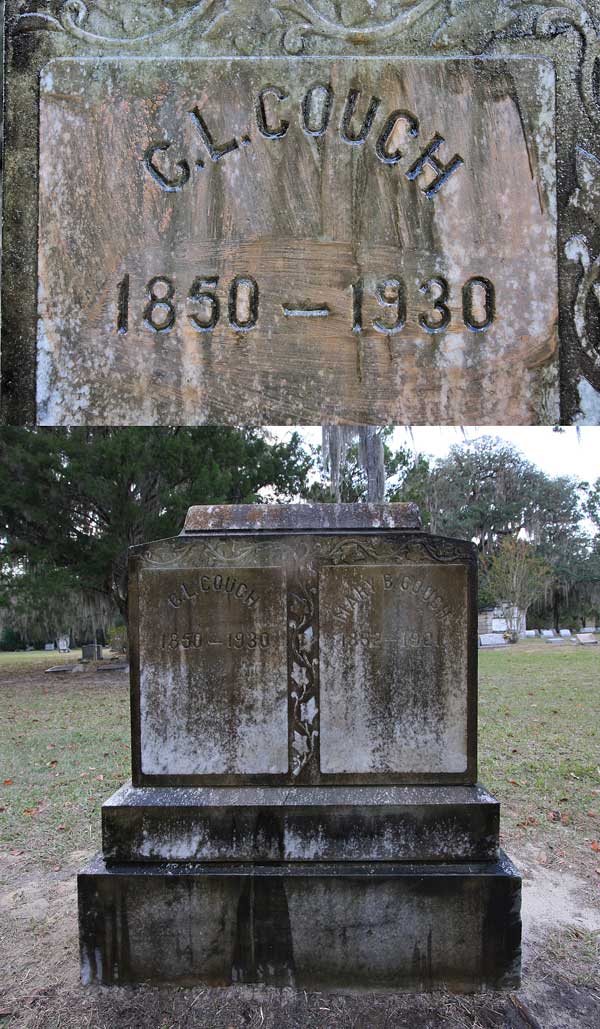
{"x": 335, "y": 823}
{"x": 319, "y": 926}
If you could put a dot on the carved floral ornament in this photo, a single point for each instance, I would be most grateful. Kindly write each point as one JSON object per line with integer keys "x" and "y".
{"x": 463, "y": 25}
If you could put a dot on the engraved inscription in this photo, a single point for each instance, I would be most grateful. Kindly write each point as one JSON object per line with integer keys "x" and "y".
{"x": 258, "y": 241}
{"x": 213, "y": 680}
{"x": 204, "y": 305}
{"x": 316, "y": 112}
{"x": 393, "y": 669}
{"x": 197, "y": 640}
{"x": 219, "y": 583}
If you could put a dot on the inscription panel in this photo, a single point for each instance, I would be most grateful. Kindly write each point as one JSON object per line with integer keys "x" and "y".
{"x": 213, "y": 672}
{"x": 394, "y": 669}
{"x": 263, "y": 240}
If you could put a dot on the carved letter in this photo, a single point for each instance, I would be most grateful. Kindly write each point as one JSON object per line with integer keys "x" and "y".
{"x": 215, "y": 151}
{"x": 444, "y": 171}
{"x": 168, "y": 185}
{"x": 347, "y": 135}
{"x": 325, "y": 112}
{"x": 261, "y": 114}
{"x": 382, "y": 143}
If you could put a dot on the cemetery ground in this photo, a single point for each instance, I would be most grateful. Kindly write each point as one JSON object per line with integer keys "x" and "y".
{"x": 65, "y": 748}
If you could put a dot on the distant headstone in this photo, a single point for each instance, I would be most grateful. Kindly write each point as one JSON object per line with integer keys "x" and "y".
{"x": 64, "y": 644}
{"x": 531, "y": 633}
{"x": 49, "y": 646}
{"x": 566, "y": 633}
{"x": 91, "y": 652}
{"x": 548, "y": 634}
{"x": 303, "y": 805}
{"x": 585, "y": 639}
{"x": 492, "y": 639}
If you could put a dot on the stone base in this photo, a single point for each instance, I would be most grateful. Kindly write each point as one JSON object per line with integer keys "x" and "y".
{"x": 334, "y": 823}
{"x": 321, "y": 926}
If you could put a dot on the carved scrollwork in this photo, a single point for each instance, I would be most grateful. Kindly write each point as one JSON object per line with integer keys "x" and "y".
{"x": 351, "y": 21}
{"x": 576, "y": 14}
{"x": 72, "y": 16}
{"x": 304, "y": 674}
{"x": 578, "y": 250}
{"x": 206, "y": 553}
{"x": 413, "y": 548}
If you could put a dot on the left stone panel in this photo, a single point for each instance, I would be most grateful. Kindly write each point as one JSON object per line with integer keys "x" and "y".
{"x": 213, "y": 683}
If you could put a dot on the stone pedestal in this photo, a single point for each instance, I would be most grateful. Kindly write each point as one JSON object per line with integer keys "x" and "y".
{"x": 304, "y": 808}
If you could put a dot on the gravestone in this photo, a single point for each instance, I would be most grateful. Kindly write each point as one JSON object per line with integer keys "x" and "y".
{"x": 531, "y": 633}
{"x": 566, "y": 633}
{"x": 548, "y": 634}
{"x": 300, "y": 212}
{"x": 586, "y": 639}
{"x": 304, "y": 807}
{"x": 492, "y": 639}
{"x": 91, "y": 652}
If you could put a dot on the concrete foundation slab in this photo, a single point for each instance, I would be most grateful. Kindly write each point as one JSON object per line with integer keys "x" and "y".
{"x": 319, "y": 926}
{"x": 361, "y": 823}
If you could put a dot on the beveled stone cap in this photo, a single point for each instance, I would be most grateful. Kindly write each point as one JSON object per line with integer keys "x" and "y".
{"x": 299, "y": 517}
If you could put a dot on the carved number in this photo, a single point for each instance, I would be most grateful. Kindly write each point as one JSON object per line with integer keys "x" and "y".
{"x": 392, "y": 293}
{"x": 439, "y": 292}
{"x": 243, "y": 304}
{"x": 161, "y": 292}
{"x": 160, "y": 314}
{"x": 198, "y": 640}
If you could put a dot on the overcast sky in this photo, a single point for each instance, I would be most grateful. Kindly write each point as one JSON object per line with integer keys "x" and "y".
{"x": 573, "y": 452}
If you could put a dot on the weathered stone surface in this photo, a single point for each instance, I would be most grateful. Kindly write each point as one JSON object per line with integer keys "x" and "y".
{"x": 213, "y": 677}
{"x": 298, "y": 517}
{"x": 316, "y": 926}
{"x": 394, "y": 668}
{"x": 258, "y": 241}
{"x": 348, "y": 823}
{"x": 331, "y": 656}
{"x": 567, "y": 36}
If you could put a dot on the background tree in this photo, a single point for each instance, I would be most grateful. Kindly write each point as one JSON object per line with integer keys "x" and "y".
{"x": 486, "y": 491}
{"x": 356, "y": 466}
{"x": 516, "y": 578}
{"x": 73, "y": 501}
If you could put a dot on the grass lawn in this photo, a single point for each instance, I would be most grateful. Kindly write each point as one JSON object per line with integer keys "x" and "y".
{"x": 65, "y": 748}
{"x": 35, "y": 658}
{"x": 539, "y": 743}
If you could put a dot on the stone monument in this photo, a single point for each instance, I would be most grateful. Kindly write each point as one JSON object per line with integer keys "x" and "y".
{"x": 301, "y": 212}
{"x": 304, "y": 807}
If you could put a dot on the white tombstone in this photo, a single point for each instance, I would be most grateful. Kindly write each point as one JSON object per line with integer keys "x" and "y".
{"x": 492, "y": 639}
{"x": 585, "y": 639}
{"x": 566, "y": 633}
{"x": 63, "y": 645}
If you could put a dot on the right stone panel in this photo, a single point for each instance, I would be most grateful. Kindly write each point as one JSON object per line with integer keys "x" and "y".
{"x": 394, "y": 669}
